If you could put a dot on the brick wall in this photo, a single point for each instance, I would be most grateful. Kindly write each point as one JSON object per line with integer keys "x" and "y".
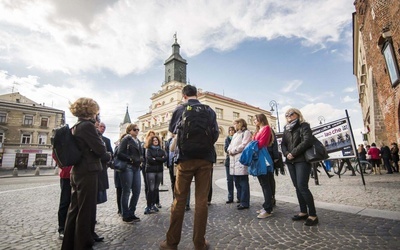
{"x": 372, "y": 17}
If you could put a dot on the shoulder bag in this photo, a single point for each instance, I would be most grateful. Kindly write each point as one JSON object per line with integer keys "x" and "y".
{"x": 317, "y": 152}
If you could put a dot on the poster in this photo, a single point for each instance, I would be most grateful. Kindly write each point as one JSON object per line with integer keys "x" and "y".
{"x": 336, "y": 136}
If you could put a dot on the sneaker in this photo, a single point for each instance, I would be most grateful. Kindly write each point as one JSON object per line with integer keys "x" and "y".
{"x": 61, "y": 235}
{"x": 264, "y": 215}
{"x": 159, "y": 205}
{"x": 262, "y": 210}
{"x": 147, "y": 210}
{"x": 154, "y": 209}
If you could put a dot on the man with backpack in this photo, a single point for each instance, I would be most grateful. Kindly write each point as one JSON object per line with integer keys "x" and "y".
{"x": 197, "y": 130}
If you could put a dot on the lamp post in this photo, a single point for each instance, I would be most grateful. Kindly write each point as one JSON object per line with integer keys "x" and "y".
{"x": 273, "y": 104}
{"x": 321, "y": 119}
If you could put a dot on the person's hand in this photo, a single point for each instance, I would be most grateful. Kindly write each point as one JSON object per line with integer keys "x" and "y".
{"x": 290, "y": 156}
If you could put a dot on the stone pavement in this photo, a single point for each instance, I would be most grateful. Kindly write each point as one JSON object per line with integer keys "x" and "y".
{"x": 350, "y": 217}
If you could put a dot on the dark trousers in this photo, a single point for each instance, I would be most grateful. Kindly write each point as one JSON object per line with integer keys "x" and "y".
{"x": 300, "y": 175}
{"x": 153, "y": 182}
{"x": 172, "y": 177}
{"x": 79, "y": 227}
{"x": 265, "y": 184}
{"x": 231, "y": 184}
{"x": 211, "y": 183}
{"x": 65, "y": 200}
{"x": 243, "y": 189}
{"x": 201, "y": 171}
{"x": 386, "y": 162}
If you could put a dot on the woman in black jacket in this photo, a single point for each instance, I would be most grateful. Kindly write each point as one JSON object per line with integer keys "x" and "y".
{"x": 131, "y": 152}
{"x": 297, "y": 138}
{"x": 155, "y": 158}
{"x": 84, "y": 177}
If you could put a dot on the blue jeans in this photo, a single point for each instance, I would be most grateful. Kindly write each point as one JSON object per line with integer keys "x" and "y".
{"x": 130, "y": 180}
{"x": 243, "y": 189}
{"x": 230, "y": 183}
{"x": 300, "y": 175}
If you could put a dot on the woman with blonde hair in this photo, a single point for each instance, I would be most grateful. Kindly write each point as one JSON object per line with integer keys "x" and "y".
{"x": 239, "y": 171}
{"x": 79, "y": 225}
{"x": 297, "y": 138}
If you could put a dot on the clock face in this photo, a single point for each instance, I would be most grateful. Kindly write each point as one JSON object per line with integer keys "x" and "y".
{"x": 169, "y": 70}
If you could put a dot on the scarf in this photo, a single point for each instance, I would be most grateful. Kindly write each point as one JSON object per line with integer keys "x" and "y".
{"x": 154, "y": 147}
{"x": 290, "y": 125}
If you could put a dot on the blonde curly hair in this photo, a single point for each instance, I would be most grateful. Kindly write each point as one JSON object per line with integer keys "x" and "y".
{"x": 84, "y": 107}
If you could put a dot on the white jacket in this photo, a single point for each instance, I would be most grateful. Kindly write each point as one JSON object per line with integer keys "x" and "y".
{"x": 239, "y": 141}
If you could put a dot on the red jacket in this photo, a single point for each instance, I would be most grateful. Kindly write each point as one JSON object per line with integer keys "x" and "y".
{"x": 374, "y": 153}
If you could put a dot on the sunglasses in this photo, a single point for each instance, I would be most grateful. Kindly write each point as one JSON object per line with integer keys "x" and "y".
{"x": 290, "y": 114}
{"x": 135, "y": 129}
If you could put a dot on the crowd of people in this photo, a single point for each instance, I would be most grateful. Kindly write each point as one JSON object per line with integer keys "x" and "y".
{"x": 84, "y": 185}
{"x": 384, "y": 156}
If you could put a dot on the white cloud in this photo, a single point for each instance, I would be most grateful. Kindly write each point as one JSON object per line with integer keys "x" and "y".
{"x": 129, "y": 37}
{"x": 349, "y": 89}
{"x": 348, "y": 99}
{"x": 291, "y": 86}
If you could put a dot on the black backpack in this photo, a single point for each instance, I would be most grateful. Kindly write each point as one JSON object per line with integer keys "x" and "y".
{"x": 65, "y": 149}
{"x": 195, "y": 137}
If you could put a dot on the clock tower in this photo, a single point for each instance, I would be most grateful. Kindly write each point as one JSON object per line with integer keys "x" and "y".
{"x": 175, "y": 65}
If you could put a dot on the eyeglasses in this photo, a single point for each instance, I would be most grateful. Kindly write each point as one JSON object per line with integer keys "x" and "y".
{"x": 290, "y": 114}
{"x": 135, "y": 129}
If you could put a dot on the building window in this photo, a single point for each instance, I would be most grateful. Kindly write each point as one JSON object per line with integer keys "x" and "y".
{"x": 42, "y": 139}
{"x": 219, "y": 113}
{"x": 235, "y": 115}
{"x": 3, "y": 117}
{"x": 28, "y": 120}
{"x": 250, "y": 120}
{"x": 41, "y": 159}
{"x": 44, "y": 122}
{"x": 26, "y": 138}
{"x": 1, "y": 137}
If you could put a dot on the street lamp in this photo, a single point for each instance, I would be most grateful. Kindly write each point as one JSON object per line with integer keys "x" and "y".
{"x": 273, "y": 104}
{"x": 321, "y": 119}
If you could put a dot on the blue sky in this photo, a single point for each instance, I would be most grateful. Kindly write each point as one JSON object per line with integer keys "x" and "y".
{"x": 298, "y": 53}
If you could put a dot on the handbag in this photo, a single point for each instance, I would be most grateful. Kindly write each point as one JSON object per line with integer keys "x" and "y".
{"x": 119, "y": 165}
{"x": 317, "y": 152}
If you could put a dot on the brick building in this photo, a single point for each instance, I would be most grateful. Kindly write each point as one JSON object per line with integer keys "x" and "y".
{"x": 376, "y": 54}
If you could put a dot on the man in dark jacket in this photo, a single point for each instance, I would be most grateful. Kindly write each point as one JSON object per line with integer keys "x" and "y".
{"x": 386, "y": 157}
{"x": 189, "y": 167}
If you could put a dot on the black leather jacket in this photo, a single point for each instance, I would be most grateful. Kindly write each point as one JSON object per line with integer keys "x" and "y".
{"x": 130, "y": 151}
{"x": 297, "y": 141}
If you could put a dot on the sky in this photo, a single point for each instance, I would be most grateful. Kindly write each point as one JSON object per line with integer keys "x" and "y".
{"x": 298, "y": 53}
